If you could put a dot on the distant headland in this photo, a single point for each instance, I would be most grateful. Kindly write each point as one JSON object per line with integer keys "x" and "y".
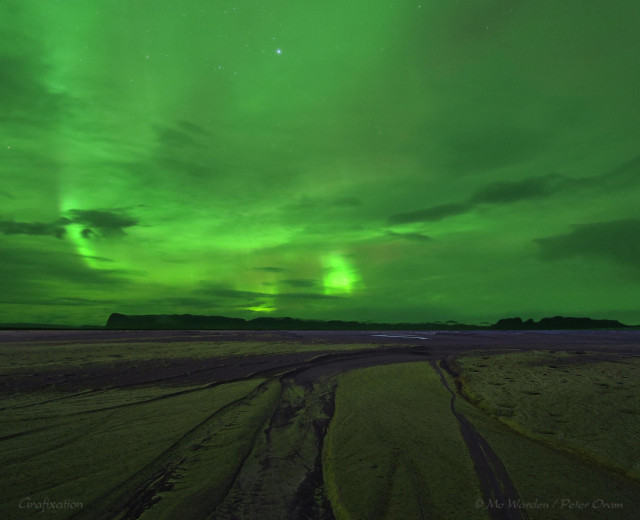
{"x": 119, "y": 321}
{"x": 188, "y": 321}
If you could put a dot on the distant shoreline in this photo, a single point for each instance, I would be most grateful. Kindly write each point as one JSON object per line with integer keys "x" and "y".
{"x": 197, "y": 322}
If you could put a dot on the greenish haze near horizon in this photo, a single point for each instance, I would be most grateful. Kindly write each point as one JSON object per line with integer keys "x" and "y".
{"x": 387, "y": 161}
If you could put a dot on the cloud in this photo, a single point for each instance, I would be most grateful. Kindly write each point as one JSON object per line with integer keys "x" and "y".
{"x": 254, "y": 298}
{"x": 178, "y": 137}
{"x": 300, "y": 282}
{"x": 179, "y": 167}
{"x": 161, "y": 170}
{"x": 431, "y": 214}
{"x": 186, "y": 301}
{"x": 620, "y": 177}
{"x": 507, "y": 192}
{"x": 25, "y": 97}
{"x": 109, "y": 223}
{"x": 492, "y": 147}
{"x": 192, "y": 128}
{"x": 224, "y": 292}
{"x": 504, "y": 192}
{"x": 98, "y": 258}
{"x": 12, "y": 227}
{"x": 270, "y": 269}
{"x": 418, "y": 237}
{"x": 314, "y": 214}
{"x": 307, "y": 296}
{"x": 617, "y": 240}
{"x": 56, "y": 302}
{"x": 70, "y": 300}
{"x": 30, "y": 272}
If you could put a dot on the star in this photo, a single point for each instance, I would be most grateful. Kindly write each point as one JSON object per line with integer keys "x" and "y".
{"x": 278, "y": 51}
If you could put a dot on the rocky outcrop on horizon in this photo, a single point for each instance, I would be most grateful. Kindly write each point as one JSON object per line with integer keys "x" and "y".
{"x": 556, "y": 323}
{"x": 195, "y": 322}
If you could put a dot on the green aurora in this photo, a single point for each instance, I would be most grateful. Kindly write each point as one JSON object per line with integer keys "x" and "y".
{"x": 400, "y": 161}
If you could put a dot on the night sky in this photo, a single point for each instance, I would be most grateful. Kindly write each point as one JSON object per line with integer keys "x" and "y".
{"x": 401, "y": 161}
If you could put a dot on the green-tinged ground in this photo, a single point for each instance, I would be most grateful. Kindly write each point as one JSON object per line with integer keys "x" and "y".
{"x": 555, "y": 484}
{"x": 394, "y": 449}
{"x": 45, "y": 356}
{"x": 588, "y": 403}
{"x": 63, "y": 450}
{"x": 282, "y": 477}
{"x": 318, "y": 429}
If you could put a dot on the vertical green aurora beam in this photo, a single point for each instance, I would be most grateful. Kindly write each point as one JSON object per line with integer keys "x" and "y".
{"x": 396, "y": 161}
{"x": 340, "y": 277}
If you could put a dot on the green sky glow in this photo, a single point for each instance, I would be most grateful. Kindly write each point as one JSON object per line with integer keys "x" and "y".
{"x": 399, "y": 161}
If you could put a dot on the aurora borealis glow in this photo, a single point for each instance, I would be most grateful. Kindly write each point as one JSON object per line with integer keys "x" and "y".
{"x": 388, "y": 161}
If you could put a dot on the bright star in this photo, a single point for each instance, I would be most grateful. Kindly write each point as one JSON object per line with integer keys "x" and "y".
{"x": 278, "y": 51}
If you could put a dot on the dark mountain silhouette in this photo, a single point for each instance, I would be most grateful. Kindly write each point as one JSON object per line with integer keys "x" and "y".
{"x": 556, "y": 323}
{"x": 173, "y": 321}
{"x": 189, "y": 321}
{"x": 195, "y": 322}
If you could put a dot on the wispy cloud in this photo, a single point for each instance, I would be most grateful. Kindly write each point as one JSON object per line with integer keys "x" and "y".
{"x": 55, "y": 229}
{"x": 617, "y": 240}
